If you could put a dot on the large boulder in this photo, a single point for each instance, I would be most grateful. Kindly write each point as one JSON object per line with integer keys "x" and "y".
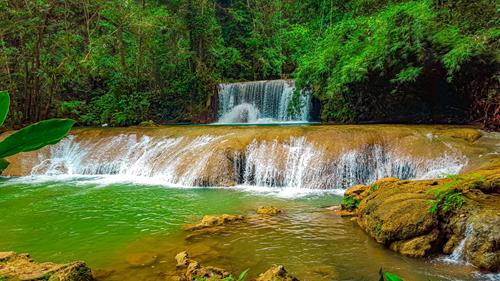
{"x": 21, "y": 267}
{"x": 415, "y": 219}
{"x": 482, "y": 243}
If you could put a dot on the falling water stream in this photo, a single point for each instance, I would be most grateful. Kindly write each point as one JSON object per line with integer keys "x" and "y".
{"x": 262, "y": 102}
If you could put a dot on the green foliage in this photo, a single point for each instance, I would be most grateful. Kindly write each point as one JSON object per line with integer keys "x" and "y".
{"x": 373, "y": 187}
{"x": 378, "y": 229}
{"x": 349, "y": 203}
{"x": 449, "y": 198}
{"x": 387, "y": 276}
{"x": 382, "y": 48}
{"x": 123, "y": 62}
{"x": 32, "y": 137}
{"x": 389, "y": 42}
{"x": 46, "y": 276}
{"x": 2, "y": 278}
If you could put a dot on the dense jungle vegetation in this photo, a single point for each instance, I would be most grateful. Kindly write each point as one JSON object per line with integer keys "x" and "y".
{"x": 121, "y": 62}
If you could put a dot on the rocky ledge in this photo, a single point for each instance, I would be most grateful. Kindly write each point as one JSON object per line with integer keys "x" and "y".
{"x": 424, "y": 217}
{"x": 21, "y": 267}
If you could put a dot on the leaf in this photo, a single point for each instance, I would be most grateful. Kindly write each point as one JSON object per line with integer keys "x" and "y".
{"x": 381, "y": 273}
{"x": 243, "y": 275}
{"x": 392, "y": 277}
{"x": 3, "y": 165}
{"x": 4, "y": 106}
{"x": 35, "y": 136}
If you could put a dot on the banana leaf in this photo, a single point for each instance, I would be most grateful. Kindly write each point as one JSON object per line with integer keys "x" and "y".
{"x": 35, "y": 136}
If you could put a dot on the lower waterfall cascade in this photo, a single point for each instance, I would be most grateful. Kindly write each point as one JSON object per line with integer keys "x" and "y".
{"x": 215, "y": 160}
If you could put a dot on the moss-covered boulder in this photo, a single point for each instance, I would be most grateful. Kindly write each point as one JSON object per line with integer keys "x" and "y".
{"x": 422, "y": 217}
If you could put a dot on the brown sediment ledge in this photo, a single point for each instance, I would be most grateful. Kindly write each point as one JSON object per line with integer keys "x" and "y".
{"x": 425, "y": 217}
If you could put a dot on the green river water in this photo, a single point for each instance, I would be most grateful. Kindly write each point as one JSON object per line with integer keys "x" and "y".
{"x": 115, "y": 227}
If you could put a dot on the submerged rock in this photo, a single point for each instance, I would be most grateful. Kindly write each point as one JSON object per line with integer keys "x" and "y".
{"x": 213, "y": 221}
{"x": 141, "y": 259}
{"x": 276, "y": 273}
{"x": 422, "y": 217}
{"x": 268, "y": 210}
{"x": 21, "y": 267}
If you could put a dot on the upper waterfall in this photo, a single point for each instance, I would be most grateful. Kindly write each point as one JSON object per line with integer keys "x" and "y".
{"x": 262, "y": 102}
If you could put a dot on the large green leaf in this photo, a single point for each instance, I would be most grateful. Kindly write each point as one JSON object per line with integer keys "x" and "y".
{"x": 35, "y": 136}
{"x": 392, "y": 277}
{"x": 4, "y": 106}
{"x": 3, "y": 164}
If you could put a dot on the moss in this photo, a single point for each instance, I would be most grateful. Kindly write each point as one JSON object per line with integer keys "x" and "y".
{"x": 377, "y": 229}
{"x": 349, "y": 203}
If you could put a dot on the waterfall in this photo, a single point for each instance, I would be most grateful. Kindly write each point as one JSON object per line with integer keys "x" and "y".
{"x": 261, "y": 102}
{"x": 458, "y": 254}
{"x": 207, "y": 160}
{"x": 299, "y": 164}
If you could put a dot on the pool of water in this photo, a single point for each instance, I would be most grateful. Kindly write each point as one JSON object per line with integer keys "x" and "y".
{"x": 115, "y": 226}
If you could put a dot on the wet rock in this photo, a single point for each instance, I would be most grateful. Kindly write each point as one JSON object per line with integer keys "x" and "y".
{"x": 452, "y": 242}
{"x": 182, "y": 259}
{"x": 467, "y": 134}
{"x": 356, "y": 191}
{"x": 141, "y": 259}
{"x": 482, "y": 247}
{"x": 276, "y": 273}
{"x": 213, "y": 221}
{"x": 385, "y": 180}
{"x": 342, "y": 212}
{"x": 268, "y": 210}
{"x": 193, "y": 270}
{"x": 22, "y": 267}
{"x": 416, "y": 247}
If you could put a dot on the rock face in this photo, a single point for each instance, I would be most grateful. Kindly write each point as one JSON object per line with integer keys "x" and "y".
{"x": 418, "y": 218}
{"x": 21, "y": 267}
